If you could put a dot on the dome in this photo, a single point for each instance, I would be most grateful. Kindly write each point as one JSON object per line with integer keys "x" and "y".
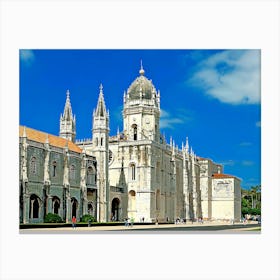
{"x": 141, "y": 87}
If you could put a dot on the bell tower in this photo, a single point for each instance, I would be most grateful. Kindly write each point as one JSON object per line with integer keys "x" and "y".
{"x": 67, "y": 121}
{"x": 100, "y": 140}
{"x": 141, "y": 110}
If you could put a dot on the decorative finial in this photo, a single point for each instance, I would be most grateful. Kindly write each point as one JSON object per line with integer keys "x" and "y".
{"x": 141, "y": 72}
{"x": 101, "y": 88}
{"x": 67, "y": 93}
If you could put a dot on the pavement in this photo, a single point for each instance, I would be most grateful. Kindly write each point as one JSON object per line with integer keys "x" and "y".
{"x": 207, "y": 227}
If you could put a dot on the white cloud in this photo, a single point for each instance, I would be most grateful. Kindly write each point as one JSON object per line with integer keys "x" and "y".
{"x": 231, "y": 76}
{"x": 247, "y": 162}
{"x": 27, "y": 57}
{"x": 229, "y": 162}
{"x": 168, "y": 121}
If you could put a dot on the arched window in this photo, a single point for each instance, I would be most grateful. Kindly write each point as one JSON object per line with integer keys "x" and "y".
{"x": 132, "y": 168}
{"x": 33, "y": 165}
{"x": 134, "y": 127}
{"x": 90, "y": 175}
{"x": 54, "y": 168}
{"x": 72, "y": 172}
{"x": 101, "y": 141}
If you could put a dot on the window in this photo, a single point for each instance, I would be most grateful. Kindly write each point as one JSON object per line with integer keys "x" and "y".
{"x": 54, "y": 166}
{"x": 72, "y": 172}
{"x": 134, "y": 127}
{"x": 33, "y": 165}
{"x": 110, "y": 156}
{"x": 90, "y": 176}
{"x": 132, "y": 167}
{"x": 101, "y": 141}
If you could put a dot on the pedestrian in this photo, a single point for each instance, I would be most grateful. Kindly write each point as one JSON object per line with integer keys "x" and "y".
{"x": 74, "y": 222}
{"x": 131, "y": 221}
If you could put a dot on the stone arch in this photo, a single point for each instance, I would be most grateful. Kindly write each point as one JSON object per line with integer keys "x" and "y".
{"x": 34, "y": 208}
{"x": 132, "y": 202}
{"x": 56, "y": 204}
{"x": 74, "y": 207}
{"x": 115, "y": 209}
{"x": 91, "y": 210}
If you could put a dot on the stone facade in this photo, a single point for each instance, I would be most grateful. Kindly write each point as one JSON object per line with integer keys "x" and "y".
{"x": 148, "y": 177}
{"x": 56, "y": 176}
{"x": 137, "y": 173}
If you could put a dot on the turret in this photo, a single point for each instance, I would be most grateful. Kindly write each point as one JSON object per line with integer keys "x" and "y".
{"x": 68, "y": 121}
{"x": 100, "y": 139}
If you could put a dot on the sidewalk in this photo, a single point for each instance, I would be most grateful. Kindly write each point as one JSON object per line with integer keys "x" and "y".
{"x": 206, "y": 226}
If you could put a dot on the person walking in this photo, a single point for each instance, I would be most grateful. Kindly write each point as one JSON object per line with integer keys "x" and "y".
{"x": 74, "y": 220}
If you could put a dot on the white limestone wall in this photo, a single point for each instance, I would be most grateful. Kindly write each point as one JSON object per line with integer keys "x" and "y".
{"x": 223, "y": 209}
{"x": 223, "y": 204}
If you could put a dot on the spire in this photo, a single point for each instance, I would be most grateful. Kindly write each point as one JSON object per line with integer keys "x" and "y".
{"x": 101, "y": 108}
{"x": 67, "y": 121}
{"x": 187, "y": 145}
{"x": 141, "y": 71}
{"x": 67, "y": 114}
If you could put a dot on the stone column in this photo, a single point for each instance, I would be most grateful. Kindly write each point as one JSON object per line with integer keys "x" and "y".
{"x": 49, "y": 204}
{"x": 26, "y": 201}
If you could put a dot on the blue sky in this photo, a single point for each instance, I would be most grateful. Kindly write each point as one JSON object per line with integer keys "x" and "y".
{"x": 210, "y": 96}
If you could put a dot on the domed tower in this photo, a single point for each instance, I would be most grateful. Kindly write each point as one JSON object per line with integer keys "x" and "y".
{"x": 141, "y": 110}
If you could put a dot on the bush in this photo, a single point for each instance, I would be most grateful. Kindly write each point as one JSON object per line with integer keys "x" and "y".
{"x": 254, "y": 211}
{"x": 88, "y": 217}
{"x": 52, "y": 218}
{"x": 245, "y": 210}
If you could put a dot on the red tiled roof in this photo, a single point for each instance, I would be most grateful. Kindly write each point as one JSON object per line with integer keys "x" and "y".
{"x": 221, "y": 176}
{"x": 39, "y": 136}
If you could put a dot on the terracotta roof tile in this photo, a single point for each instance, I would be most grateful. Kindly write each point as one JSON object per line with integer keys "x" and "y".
{"x": 39, "y": 136}
{"x": 221, "y": 176}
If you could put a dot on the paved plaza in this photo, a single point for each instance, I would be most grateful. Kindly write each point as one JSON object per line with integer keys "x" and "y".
{"x": 206, "y": 227}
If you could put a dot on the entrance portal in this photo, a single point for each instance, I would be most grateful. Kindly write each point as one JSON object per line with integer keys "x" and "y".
{"x": 74, "y": 203}
{"x": 115, "y": 209}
